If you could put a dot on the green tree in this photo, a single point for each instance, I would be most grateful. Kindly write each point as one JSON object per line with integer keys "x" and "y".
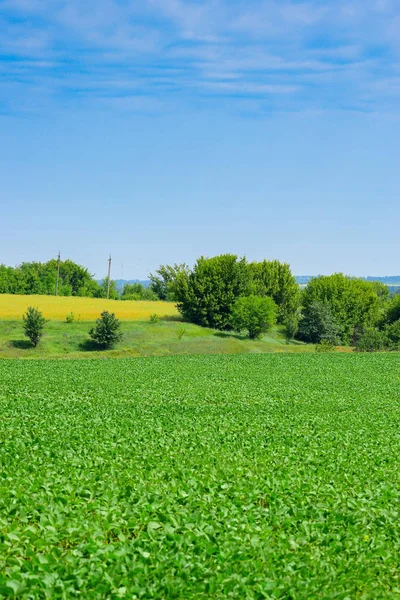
{"x": 206, "y": 297}
{"x": 33, "y": 325}
{"x": 101, "y": 292}
{"x": 40, "y": 278}
{"x": 254, "y": 314}
{"x": 166, "y": 279}
{"x": 393, "y": 310}
{"x": 107, "y": 332}
{"x": 291, "y": 327}
{"x": 318, "y": 324}
{"x": 393, "y": 335}
{"x": 137, "y": 291}
{"x": 274, "y": 279}
{"x": 354, "y": 303}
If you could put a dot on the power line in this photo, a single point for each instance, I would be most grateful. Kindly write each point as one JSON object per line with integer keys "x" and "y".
{"x": 58, "y": 272}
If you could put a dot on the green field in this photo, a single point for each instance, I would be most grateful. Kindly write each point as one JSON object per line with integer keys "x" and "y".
{"x": 263, "y": 476}
{"x": 141, "y": 338}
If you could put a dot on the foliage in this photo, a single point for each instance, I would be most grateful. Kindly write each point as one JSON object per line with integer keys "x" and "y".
{"x": 325, "y": 346}
{"x": 154, "y": 318}
{"x": 393, "y": 335}
{"x": 354, "y": 303}
{"x": 291, "y": 327}
{"x": 166, "y": 279}
{"x": 107, "y": 332}
{"x": 372, "y": 340}
{"x": 318, "y": 324}
{"x": 34, "y": 323}
{"x": 207, "y": 296}
{"x": 40, "y": 278}
{"x": 271, "y": 476}
{"x": 275, "y": 279}
{"x": 137, "y": 291}
{"x": 70, "y": 318}
{"x": 255, "y": 314}
{"x": 102, "y": 289}
{"x": 393, "y": 310}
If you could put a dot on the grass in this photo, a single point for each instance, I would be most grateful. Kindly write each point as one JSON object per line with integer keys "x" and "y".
{"x": 85, "y": 309}
{"x": 141, "y": 338}
{"x": 242, "y": 477}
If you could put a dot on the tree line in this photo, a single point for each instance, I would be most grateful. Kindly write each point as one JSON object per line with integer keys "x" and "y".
{"x": 228, "y": 293}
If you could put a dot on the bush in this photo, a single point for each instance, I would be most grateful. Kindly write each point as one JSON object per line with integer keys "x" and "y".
{"x": 107, "y": 332}
{"x": 154, "y": 318}
{"x": 70, "y": 318}
{"x": 255, "y": 314}
{"x": 318, "y": 324}
{"x": 372, "y": 340}
{"x": 34, "y": 323}
{"x": 325, "y": 346}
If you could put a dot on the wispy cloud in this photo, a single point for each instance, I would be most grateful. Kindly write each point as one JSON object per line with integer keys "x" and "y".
{"x": 145, "y": 55}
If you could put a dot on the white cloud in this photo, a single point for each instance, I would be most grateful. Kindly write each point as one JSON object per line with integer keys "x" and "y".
{"x": 304, "y": 51}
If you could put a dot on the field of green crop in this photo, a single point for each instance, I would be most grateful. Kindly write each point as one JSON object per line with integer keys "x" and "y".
{"x": 248, "y": 477}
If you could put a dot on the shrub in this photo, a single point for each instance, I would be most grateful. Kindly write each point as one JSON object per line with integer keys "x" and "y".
{"x": 318, "y": 324}
{"x": 107, "y": 332}
{"x": 70, "y": 318}
{"x": 154, "y": 318}
{"x": 325, "y": 346}
{"x": 34, "y": 323}
{"x": 372, "y": 340}
{"x": 254, "y": 314}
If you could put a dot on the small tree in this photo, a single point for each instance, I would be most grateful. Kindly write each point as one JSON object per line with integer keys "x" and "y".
{"x": 254, "y": 313}
{"x": 291, "y": 327}
{"x": 318, "y": 324}
{"x": 107, "y": 332}
{"x": 34, "y": 323}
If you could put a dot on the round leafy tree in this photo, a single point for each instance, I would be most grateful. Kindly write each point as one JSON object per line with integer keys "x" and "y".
{"x": 254, "y": 314}
{"x": 107, "y": 331}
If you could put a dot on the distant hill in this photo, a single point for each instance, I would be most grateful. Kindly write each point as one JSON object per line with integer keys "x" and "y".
{"x": 392, "y": 281}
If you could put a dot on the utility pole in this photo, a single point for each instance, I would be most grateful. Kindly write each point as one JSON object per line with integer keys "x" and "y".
{"x": 108, "y": 278}
{"x": 58, "y": 272}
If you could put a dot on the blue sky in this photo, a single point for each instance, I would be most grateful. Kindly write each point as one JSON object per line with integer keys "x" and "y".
{"x": 160, "y": 130}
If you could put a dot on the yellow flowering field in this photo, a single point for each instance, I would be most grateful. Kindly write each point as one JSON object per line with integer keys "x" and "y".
{"x": 84, "y": 309}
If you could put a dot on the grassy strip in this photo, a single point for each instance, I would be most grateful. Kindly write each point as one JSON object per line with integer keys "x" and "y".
{"x": 163, "y": 338}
